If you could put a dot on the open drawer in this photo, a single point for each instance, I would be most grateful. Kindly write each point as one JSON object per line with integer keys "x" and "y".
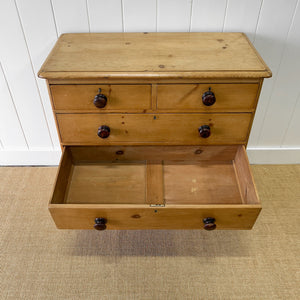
{"x": 154, "y": 187}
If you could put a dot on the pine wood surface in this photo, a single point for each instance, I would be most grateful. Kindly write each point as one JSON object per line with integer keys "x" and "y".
{"x": 136, "y": 217}
{"x": 190, "y": 189}
{"x": 108, "y": 183}
{"x": 188, "y": 97}
{"x": 154, "y": 55}
{"x": 154, "y": 84}
{"x": 200, "y": 183}
{"x": 176, "y": 129}
{"x": 92, "y": 154}
{"x": 134, "y": 98}
{"x": 63, "y": 175}
{"x": 149, "y": 80}
{"x": 155, "y": 182}
{"x": 245, "y": 178}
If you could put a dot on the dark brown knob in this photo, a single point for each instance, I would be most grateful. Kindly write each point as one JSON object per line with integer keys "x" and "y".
{"x": 209, "y": 223}
{"x": 100, "y": 100}
{"x": 103, "y": 132}
{"x": 100, "y": 223}
{"x": 204, "y": 131}
{"x": 208, "y": 98}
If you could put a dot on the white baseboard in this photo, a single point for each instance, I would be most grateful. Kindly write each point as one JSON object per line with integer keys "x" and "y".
{"x": 52, "y": 157}
{"x": 30, "y": 158}
{"x": 274, "y": 155}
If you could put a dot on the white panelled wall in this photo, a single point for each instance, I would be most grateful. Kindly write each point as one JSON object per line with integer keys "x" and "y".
{"x": 29, "y": 29}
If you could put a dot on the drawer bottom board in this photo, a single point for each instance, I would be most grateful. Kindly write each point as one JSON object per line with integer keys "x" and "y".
{"x": 127, "y": 183}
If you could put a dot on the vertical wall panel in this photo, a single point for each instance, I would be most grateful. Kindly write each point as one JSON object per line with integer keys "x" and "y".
{"x": 71, "y": 16}
{"x": 208, "y": 15}
{"x": 292, "y": 136}
{"x": 242, "y": 16}
{"x": 105, "y": 16}
{"x": 287, "y": 82}
{"x": 11, "y": 134}
{"x": 39, "y": 46}
{"x": 18, "y": 70}
{"x": 139, "y": 15}
{"x": 171, "y": 17}
{"x": 29, "y": 29}
{"x": 273, "y": 26}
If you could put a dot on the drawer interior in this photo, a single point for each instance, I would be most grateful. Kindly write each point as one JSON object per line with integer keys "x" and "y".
{"x": 154, "y": 175}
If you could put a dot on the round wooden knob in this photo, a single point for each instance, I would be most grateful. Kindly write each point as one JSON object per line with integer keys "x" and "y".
{"x": 100, "y": 223}
{"x": 103, "y": 132}
{"x": 100, "y": 100}
{"x": 209, "y": 223}
{"x": 208, "y": 98}
{"x": 204, "y": 131}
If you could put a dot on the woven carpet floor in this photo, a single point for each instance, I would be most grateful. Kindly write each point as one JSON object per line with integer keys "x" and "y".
{"x": 40, "y": 262}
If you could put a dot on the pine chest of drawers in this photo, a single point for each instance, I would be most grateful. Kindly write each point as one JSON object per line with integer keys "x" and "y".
{"x": 153, "y": 128}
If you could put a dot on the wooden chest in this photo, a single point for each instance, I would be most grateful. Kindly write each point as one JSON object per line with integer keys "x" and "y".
{"x": 153, "y": 128}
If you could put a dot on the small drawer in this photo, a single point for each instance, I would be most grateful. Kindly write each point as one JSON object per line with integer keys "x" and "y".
{"x": 207, "y": 97}
{"x": 133, "y": 98}
{"x": 175, "y": 129}
{"x": 124, "y": 187}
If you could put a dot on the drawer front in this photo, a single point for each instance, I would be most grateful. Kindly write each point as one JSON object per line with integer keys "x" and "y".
{"x": 171, "y": 217}
{"x": 119, "y": 97}
{"x": 190, "y": 97}
{"x": 176, "y": 129}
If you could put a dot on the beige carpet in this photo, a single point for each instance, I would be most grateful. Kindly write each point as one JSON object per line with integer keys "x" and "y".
{"x": 40, "y": 262}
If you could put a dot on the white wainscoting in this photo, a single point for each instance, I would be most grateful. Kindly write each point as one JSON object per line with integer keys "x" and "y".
{"x": 29, "y": 29}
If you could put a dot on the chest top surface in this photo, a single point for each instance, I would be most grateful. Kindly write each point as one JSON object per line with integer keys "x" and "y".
{"x": 154, "y": 55}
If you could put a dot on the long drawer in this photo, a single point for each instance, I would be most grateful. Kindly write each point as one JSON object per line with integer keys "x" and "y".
{"x": 178, "y": 129}
{"x": 76, "y": 97}
{"x": 181, "y": 192}
{"x": 207, "y": 97}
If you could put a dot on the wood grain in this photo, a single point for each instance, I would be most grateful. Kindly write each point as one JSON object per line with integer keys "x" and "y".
{"x": 134, "y": 98}
{"x": 63, "y": 177}
{"x": 200, "y": 183}
{"x": 155, "y": 184}
{"x": 108, "y": 183}
{"x": 188, "y": 97}
{"x": 154, "y": 55}
{"x": 154, "y": 154}
{"x": 116, "y": 79}
{"x": 176, "y": 129}
{"x": 93, "y": 154}
{"x": 121, "y": 192}
{"x": 227, "y": 216}
{"x": 244, "y": 177}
